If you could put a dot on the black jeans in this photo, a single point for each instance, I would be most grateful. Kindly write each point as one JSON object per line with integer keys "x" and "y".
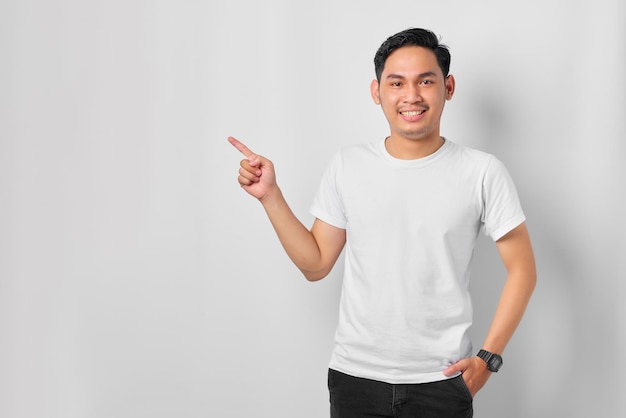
{"x": 355, "y": 397}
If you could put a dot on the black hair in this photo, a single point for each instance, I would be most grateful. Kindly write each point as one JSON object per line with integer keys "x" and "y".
{"x": 412, "y": 37}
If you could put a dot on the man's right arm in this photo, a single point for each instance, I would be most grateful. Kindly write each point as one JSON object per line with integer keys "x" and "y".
{"x": 313, "y": 251}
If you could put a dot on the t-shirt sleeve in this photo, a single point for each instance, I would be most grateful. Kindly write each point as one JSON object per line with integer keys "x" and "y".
{"x": 327, "y": 205}
{"x": 502, "y": 211}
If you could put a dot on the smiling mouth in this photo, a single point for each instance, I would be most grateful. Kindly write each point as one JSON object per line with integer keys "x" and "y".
{"x": 412, "y": 113}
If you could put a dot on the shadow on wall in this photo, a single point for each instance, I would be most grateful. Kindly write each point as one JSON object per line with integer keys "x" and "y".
{"x": 547, "y": 338}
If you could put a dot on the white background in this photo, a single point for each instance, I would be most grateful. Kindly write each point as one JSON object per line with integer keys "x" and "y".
{"x": 138, "y": 280}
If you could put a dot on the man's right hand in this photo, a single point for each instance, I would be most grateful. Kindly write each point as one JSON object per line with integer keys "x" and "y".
{"x": 313, "y": 251}
{"x": 256, "y": 173}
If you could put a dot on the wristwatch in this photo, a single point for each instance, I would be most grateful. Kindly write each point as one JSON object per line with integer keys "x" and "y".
{"x": 494, "y": 361}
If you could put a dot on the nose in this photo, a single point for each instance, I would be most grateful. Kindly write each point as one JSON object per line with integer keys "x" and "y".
{"x": 413, "y": 94}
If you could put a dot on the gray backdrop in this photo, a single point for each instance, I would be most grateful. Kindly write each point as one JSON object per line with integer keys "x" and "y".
{"x": 138, "y": 280}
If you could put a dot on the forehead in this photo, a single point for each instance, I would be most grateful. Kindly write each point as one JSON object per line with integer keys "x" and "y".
{"x": 411, "y": 60}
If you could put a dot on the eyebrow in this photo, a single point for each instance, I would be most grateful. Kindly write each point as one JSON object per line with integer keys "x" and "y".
{"x": 422, "y": 75}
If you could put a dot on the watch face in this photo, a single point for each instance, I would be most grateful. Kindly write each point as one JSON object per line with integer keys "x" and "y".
{"x": 495, "y": 363}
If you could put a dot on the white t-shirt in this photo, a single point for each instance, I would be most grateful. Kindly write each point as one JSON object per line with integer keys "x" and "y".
{"x": 411, "y": 226}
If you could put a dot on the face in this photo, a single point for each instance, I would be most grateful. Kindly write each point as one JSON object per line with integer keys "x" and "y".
{"x": 412, "y": 93}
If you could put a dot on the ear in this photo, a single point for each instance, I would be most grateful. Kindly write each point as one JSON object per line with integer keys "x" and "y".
{"x": 450, "y": 85}
{"x": 374, "y": 91}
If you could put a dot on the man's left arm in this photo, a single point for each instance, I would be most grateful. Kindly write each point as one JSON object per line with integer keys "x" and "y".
{"x": 517, "y": 255}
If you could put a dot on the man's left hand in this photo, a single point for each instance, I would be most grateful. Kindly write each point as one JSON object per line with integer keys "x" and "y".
{"x": 474, "y": 371}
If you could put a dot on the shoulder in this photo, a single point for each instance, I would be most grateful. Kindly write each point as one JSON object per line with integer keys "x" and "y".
{"x": 474, "y": 154}
{"x": 467, "y": 158}
{"x": 358, "y": 150}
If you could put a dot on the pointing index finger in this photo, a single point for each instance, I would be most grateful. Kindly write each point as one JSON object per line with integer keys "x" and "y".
{"x": 242, "y": 148}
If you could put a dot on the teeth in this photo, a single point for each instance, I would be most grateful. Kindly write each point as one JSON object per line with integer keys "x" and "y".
{"x": 412, "y": 113}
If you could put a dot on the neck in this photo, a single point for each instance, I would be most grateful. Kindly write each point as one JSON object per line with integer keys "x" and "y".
{"x": 406, "y": 149}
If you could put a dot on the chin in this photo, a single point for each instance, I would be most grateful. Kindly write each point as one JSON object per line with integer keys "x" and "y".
{"x": 415, "y": 136}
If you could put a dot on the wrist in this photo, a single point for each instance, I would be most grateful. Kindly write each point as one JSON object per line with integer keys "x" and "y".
{"x": 271, "y": 197}
{"x": 492, "y": 360}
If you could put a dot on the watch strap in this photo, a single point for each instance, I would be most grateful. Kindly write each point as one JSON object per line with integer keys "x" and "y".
{"x": 494, "y": 361}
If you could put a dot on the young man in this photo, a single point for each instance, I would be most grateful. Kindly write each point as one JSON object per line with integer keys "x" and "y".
{"x": 408, "y": 210}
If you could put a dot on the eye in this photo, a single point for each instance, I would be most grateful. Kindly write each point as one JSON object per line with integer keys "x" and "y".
{"x": 396, "y": 84}
{"x": 426, "y": 82}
